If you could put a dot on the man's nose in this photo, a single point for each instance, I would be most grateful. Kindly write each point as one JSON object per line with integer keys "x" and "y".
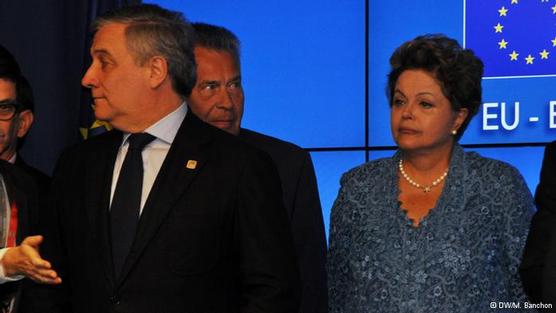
{"x": 225, "y": 100}
{"x": 89, "y": 80}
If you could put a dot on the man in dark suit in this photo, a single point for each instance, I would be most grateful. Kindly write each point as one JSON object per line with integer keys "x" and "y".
{"x": 20, "y": 218}
{"x": 17, "y": 101}
{"x": 165, "y": 213}
{"x": 218, "y": 99}
{"x": 20, "y": 206}
{"x": 538, "y": 268}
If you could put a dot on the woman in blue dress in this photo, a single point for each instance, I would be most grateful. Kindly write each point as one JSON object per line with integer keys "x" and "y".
{"x": 433, "y": 228}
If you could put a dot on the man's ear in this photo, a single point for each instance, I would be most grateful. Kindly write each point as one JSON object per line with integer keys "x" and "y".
{"x": 158, "y": 71}
{"x": 25, "y": 120}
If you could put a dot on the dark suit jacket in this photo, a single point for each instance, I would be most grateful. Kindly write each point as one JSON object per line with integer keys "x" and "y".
{"x": 301, "y": 199}
{"x": 538, "y": 268}
{"x": 41, "y": 180}
{"x": 23, "y": 189}
{"x": 210, "y": 239}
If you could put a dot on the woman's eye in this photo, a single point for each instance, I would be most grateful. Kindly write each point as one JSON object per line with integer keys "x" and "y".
{"x": 398, "y": 102}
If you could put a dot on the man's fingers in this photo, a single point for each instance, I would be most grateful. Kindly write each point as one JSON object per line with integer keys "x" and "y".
{"x": 25, "y": 259}
{"x": 34, "y": 257}
{"x": 46, "y": 280}
{"x": 36, "y": 267}
{"x": 44, "y": 276}
{"x": 40, "y": 263}
{"x": 33, "y": 241}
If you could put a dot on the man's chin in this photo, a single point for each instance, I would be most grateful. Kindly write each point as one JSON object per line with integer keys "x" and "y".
{"x": 227, "y": 126}
{"x": 234, "y": 131}
{"x": 102, "y": 115}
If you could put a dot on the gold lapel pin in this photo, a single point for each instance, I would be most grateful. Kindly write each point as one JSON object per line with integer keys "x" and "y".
{"x": 191, "y": 164}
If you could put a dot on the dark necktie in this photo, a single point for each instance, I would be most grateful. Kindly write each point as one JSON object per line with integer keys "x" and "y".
{"x": 126, "y": 202}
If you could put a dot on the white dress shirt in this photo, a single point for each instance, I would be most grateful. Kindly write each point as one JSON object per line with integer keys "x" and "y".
{"x": 154, "y": 153}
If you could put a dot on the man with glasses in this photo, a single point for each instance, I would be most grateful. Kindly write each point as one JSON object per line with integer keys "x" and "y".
{"x": 16, "y": 115}
{"x": 20, "y": 188}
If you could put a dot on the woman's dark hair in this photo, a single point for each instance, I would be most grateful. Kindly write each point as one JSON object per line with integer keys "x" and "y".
{"x": 459, "y": 71}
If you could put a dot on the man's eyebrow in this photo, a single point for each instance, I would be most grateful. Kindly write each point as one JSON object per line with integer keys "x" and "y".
{"x": 102, "y": 52}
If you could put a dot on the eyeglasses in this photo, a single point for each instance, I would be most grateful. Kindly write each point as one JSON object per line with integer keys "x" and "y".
{"x": 8, "y": 109}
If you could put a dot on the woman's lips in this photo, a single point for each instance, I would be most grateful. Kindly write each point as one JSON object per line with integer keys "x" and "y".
{"x": 407, "y": 131}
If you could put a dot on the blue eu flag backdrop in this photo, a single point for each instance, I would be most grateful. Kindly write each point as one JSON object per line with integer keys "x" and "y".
{"x": 512, "y": 37}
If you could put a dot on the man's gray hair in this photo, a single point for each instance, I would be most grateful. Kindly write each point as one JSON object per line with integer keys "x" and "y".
{"x": 154, "y": 31}
{"x": 217, "y": 38}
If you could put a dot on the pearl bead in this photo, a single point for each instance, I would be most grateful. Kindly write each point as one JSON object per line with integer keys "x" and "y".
{"x": 426, "y": 188}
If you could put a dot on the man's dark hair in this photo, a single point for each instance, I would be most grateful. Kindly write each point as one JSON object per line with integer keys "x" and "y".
{"x": 217, "y": 38}
{"x": 154, "y": 31}
{"x": 10, "y": 71}
{"x": 8, "y": 64}
{"x": 459, "y": 71}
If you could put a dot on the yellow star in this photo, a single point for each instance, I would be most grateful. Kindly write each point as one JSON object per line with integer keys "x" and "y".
{"x": 513, "y": 56}
{"x": 554, "y": 9}
{"x": 84, "y": 132}
{"x": 498, "y": 28}
{"x": 529, "y": 59}
{"x": 544, "y": 54}
{"x": 554, "y": 42}
{"x": 503, "y": 43}
{"x": 503, "y": 11}
{"x": 514, "y": 1}
{"x": 98, "y": 123}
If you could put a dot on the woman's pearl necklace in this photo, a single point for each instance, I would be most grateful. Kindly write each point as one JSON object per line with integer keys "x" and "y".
{"x": 417, "y": 185}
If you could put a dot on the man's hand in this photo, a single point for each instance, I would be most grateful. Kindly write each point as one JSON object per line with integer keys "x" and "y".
{"x": 26, "y": 260}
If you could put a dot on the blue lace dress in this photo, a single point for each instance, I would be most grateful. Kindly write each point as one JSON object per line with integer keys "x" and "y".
{"x": 463, "y": 256}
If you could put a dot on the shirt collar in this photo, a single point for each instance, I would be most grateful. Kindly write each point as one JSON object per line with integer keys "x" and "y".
{"x": 13, "y": 158}
{"x": 166, "y": 128}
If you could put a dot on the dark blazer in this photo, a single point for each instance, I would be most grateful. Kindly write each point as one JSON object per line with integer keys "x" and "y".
{"x": 301, "y": 199}
{"x": 213, "y": 238}
{"x": 538, "y": 268}
{"x": 23, "y": 189}
{"x": 42, "y": 180}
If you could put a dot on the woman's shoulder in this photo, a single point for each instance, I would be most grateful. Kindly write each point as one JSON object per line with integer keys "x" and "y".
{"x": 372, "y": 170}
{"x": 484, "y": 167}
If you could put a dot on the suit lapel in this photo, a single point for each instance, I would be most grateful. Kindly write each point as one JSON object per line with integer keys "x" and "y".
{"x": 184, "y": 160}
{"x": 101, "y": 168}
{"x": 17, "y": 195}
{"x": 23, "y": 220}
